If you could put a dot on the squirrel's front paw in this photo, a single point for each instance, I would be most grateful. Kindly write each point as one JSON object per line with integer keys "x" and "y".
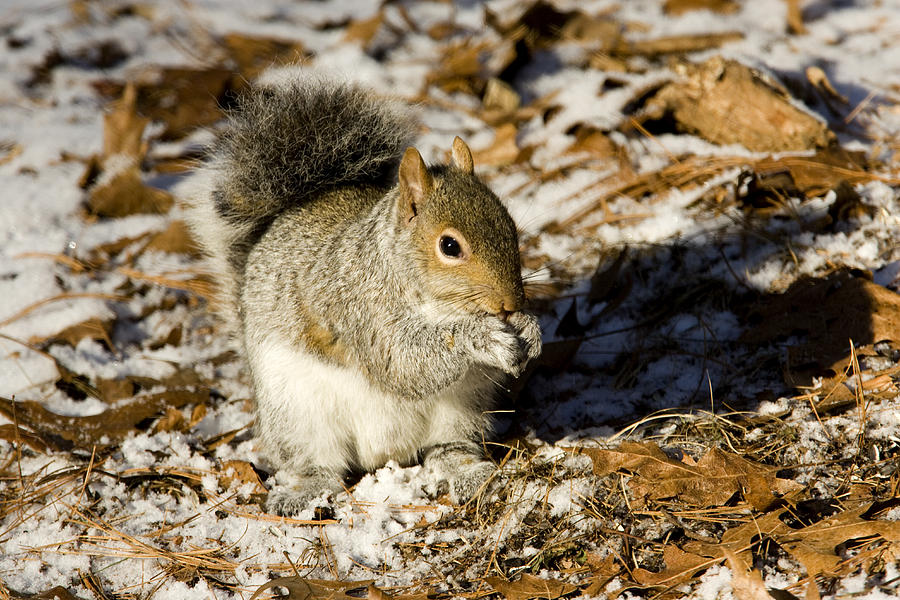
{"x": 529, "y": 331}
{"x": 495, "y": 343}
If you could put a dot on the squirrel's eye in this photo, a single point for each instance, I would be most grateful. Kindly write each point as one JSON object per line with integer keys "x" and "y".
{"x": 450, "y": 247}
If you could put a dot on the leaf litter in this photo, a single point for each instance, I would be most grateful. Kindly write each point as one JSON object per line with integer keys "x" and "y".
{"x": 706, "y": 211}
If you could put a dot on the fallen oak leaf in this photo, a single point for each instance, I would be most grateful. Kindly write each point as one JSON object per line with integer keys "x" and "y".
{"x": 760, "y": 487}
{"x": 102, "y": 429}
{"x": 503, "y": 150}
{"x": 794, "y": 16}
{"x": 365, "y": 31}
{"x": 810, "y": 176}
{"x": 252, "y": 55}
{"x": 593, "y": 142}
{"x": 530, "y": 587}
{"x": 746, "y": 584}
{"x": 123, "y": 128}
{"x": 175, "y": 238}
{"x": 603, "y": 570}
{"x": 124, "y": 193}
{"x": 300, "y": 588}
{"x": 241, "y": 472}
{"x": 741, "y": 539}
{"x": 814, "y": 546}
{"x": 821, "y": 83}
{"x": 93, "y": 328}
{"x": 11, "y": 433}
{"x": 173, "y": 420}
{"x": 715, "y": 478}
{"x": 681, "y": 566}
{"x": 56, "y": 593}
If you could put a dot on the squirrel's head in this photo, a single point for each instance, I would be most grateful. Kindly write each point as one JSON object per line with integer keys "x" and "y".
{"x": 464, "y": 239}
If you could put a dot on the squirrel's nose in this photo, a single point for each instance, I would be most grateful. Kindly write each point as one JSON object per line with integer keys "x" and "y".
{"x": 508, "y": 305}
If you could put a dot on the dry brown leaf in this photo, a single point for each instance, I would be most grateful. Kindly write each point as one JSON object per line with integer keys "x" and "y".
{"x": 795, "y": 17}
{"x": 503, "y": 150}
{"x": 711, "y": 482}
{"x": 599, "y": 32}
{"x": 680, "y": 567}
{"x": 171, "y": 338}
{"x": 466, "y": 66}
{"x": 594, "y": 142}
{"x": 726, "y": 102}
{"x": 198, "y": 413}
{"x": 102, "y": 429}
{"x": 175, "y": 238}
{"x": 836, "y": 393}
{"x": 11, "y": 433}
{"x": 530, "y": 587}
{"x": 93, "y": 328}
{"x": 113, "y": 390}
{"x": 603, "y": 570}
{"x": 364, "y": 30}
{"x": 609, "y": 284}
{"x": 740, "y": 539}
{"x": 8, "y": 151}
{"x": 57, "y": 593}
{"x": 252, "y": 55}
{"x": 558, "y": 354}
{"x": 101, "y": 253}
{"x": 812, "y": 590}
{"x": 183, "y": 99}
{"x": 123, "y": 128}
{"x": 300, "y": 588}
{"x": 460, "y": 68}
{"x": 677, "y": 7}
{"x": 746, "y": 584}
{"x": 500, "y": 97}
{"x": 814, "y": 546}
{"x": 173, "y": 420}
{"x": 675, "y": 44}
{"x": 126, "y": 194}
{"x": 242, "y": 472}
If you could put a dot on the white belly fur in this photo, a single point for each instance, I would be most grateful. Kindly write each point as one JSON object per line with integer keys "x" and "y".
{"x": 313, "y": 413}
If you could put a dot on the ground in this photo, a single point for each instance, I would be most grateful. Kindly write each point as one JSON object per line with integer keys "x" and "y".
{"x": 707, "y": 194}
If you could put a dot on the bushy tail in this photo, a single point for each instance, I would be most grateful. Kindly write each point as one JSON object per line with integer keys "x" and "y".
{"x": 291, "y": 143}
{"x": 283, "y": 146}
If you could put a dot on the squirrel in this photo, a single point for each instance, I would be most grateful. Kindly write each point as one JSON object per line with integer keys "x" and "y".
{"x": 379, "y": 301}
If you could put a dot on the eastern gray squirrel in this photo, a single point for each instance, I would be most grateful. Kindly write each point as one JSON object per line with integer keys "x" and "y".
{"x": 379, "y": 300}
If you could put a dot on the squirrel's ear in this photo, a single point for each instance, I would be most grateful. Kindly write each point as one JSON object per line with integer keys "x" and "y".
{"x": 415, "y": 183}
{"x": 462, "y": 156}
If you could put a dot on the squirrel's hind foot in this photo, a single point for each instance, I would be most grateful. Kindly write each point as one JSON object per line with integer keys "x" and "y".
{"x": 289, "y": 500}
{"x": 457, "y": 468}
